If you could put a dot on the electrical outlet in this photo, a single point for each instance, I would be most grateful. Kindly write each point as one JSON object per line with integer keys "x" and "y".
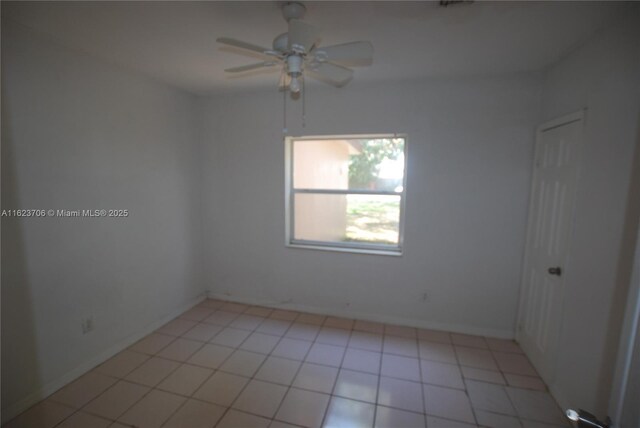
{"x": 87, "y": 325}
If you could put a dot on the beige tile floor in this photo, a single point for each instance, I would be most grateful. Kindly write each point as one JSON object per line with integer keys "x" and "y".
{"x": 231, "y": 365}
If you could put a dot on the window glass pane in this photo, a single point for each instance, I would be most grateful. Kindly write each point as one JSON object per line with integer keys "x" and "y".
{"x": 373, "y": 219}
{"x": 355, "y": 164}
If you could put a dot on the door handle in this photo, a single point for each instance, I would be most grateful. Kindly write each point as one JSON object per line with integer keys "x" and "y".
{"x": 555, "y": 271}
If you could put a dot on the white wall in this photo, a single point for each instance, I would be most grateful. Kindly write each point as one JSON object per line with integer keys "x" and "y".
{"x": 470, "y": 145}
{"x": 78, "y": 133}
{"x": 604, "y": 77}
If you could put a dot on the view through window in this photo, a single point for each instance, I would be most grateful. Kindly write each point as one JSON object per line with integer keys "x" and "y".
{"x": 346, "y": 192}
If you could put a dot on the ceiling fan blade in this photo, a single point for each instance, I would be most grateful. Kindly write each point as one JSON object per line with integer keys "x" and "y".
{"x": 302, "y": 36}
{"x": 330, "y": 73}
{"x": 240, "y": 44}
{"x": 348, "y": 54}
{"x": 250, "y": 67}
{"x": 284, "y": 82}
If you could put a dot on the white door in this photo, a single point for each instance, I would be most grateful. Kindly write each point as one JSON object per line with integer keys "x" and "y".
{"x": 555, "y": 177}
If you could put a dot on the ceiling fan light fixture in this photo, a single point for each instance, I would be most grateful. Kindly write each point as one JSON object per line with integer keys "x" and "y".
{"x": 294, "y": 70}
{"x": 294, "y": 85}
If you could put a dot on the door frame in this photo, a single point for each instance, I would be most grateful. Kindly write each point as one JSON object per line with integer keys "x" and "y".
{"x": 627, "y": 349}
{"x": 576, "y": 116}
{"x": 628, "y": 355}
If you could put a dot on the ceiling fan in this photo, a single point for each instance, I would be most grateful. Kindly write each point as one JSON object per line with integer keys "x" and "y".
{"x": 298, "y": 53}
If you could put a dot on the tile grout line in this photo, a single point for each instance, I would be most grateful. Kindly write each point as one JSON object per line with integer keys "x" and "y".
{"x": 151, "y": 388}
{"x": 298, "y": 372}
{"x": 504, "y": 388}
{"x": 283, "y": 336}
{"x": 315, "y": 363}
{"x": 335, "y": 382}
{"x": 111, "y": 387}
{"x": 200, "y": 385}
{"x": 154, "y": 388}
{"x": 301, "y": 362}
{"x": 464, "y": 381}
{"x": 230, "y": 407}
{"x": 166, "y": 377}
{"x": 422, "y": 394}
{"x": 214, "y": 371}
{"x": 122, "y": 379}
{"x": 185, "y": 362}
{"x": 375, "y": 409}
{"x": 420, "y": 357}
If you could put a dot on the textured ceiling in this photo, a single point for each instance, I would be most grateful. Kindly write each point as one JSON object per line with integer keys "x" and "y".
{"x": 175, "y": 41}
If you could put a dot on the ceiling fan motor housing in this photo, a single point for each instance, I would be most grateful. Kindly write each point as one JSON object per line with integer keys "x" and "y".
{"x": 294, "y": 65}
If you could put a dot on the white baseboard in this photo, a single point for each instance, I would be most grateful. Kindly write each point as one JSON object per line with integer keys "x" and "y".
{"x": 44, "y": 391}
{"x": 365, "y": 316}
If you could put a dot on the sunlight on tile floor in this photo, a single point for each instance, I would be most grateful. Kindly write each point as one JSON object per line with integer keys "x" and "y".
{"x": 226, "y": 365}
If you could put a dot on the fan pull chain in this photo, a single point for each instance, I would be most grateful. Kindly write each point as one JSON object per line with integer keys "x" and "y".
{"x": 284, "y": 106}
{"x": 304, "y": 103}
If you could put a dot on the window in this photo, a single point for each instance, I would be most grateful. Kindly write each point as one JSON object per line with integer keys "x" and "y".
{"x": 346, "y": 193}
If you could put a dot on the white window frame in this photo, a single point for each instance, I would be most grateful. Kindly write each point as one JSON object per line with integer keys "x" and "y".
{"x": 349, "y": 247}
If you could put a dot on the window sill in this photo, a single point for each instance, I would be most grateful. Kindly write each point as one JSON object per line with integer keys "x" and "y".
{"x": 369, "y": 251}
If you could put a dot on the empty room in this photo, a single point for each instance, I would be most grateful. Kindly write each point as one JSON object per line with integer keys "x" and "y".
{"x": 345, "y": 214}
